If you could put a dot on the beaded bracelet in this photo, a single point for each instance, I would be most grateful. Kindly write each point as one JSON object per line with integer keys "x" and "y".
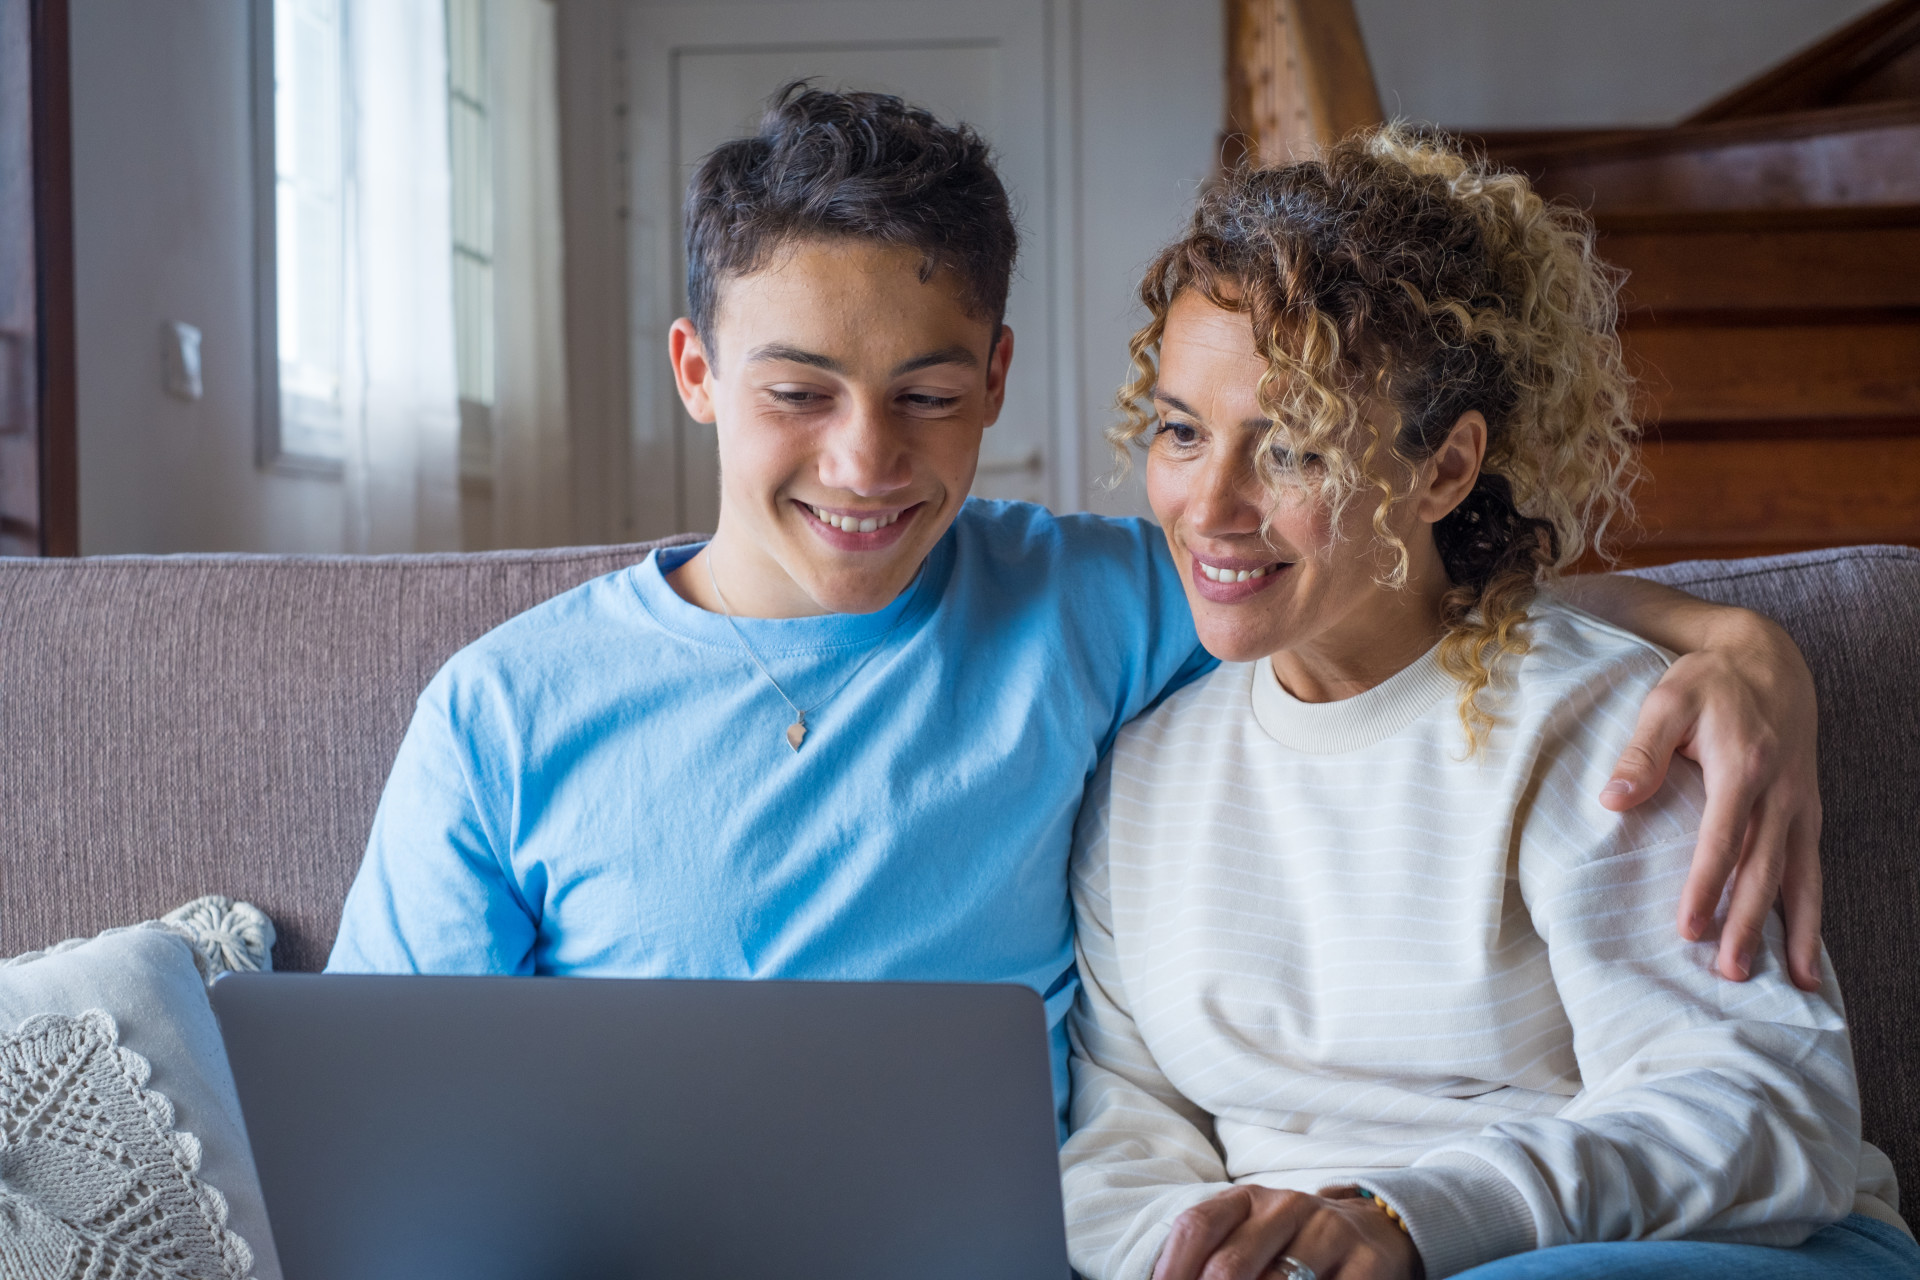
{"x": 1392, "y": 1214}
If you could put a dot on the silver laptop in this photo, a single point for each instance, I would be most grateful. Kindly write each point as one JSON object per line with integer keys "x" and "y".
{"x": 574, "y": 1129}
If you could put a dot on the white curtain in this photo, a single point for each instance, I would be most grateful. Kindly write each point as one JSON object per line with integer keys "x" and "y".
{"x": 532, "y": 504}
{"x": 398, "y": 388}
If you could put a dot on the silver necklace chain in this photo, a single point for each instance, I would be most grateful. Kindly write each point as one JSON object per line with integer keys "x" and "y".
{"x": 797, "y": 731}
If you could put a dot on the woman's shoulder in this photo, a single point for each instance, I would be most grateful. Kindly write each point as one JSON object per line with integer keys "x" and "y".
{"x": 1577, "y": 697}
{"x": 1571, "y": 647}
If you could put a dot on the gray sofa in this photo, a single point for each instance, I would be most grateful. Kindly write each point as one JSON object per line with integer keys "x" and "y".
{"x": 182, "y": 725}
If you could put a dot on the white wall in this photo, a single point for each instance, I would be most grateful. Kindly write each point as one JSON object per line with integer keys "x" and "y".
{"x": 163, "y": 213}
{"x": 1151, "y": 97}
{"x": 1497, "y": 64}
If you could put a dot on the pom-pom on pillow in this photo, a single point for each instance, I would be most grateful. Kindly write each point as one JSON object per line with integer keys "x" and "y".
{"x": 122, "y": 1150}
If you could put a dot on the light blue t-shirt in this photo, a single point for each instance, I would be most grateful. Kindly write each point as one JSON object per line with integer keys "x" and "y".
{"x": 603, "y": 786}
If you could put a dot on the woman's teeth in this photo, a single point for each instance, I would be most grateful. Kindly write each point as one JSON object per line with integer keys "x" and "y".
{"x": 1234, "y": 575}
{"x": 852, "y": 524}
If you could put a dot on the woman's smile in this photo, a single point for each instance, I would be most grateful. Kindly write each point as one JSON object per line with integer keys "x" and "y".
{"x": 1229, "y": 580}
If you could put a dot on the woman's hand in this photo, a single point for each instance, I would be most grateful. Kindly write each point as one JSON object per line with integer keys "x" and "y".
{"x": 1241, "y": 1233}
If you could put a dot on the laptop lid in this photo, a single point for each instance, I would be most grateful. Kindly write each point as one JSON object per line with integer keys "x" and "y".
{"x": 571, "y": 1129}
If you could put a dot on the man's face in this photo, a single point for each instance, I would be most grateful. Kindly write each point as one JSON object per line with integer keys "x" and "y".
{"x": 849, "y": 397}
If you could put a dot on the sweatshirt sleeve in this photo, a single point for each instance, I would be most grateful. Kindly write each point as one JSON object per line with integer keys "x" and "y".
{"x": 433, "y": 894}
{"x": 1140, "y": 1153}
{"x": 1710, "y": 1109}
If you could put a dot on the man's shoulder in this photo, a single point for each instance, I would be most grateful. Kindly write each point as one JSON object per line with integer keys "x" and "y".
{"x": 559, "y": 634}
{"x": 1023, "y": 541}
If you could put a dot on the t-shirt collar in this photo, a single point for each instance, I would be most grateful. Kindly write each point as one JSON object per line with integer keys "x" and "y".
{"x": 784, "y": 635}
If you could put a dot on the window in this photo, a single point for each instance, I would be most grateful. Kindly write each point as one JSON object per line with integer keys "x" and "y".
{"x": 302, "y": 140}
{"x": 470, "y": 143}
{"x": 309, "y": 228}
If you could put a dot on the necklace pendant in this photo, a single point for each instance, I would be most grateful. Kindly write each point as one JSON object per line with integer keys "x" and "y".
{"x": 797, "y": 732}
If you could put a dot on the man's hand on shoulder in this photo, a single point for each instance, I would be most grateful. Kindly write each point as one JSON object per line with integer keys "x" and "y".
{"x": 1740, "y": 702}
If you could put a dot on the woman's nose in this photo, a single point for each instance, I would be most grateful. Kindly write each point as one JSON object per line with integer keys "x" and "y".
{"x": 1220, "y": 501}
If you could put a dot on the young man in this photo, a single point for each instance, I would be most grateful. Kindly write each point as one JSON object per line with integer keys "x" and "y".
{"x": 848, "y": 736}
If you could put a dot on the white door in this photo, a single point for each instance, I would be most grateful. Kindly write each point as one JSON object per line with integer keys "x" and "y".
{"x": 700, "y": 75}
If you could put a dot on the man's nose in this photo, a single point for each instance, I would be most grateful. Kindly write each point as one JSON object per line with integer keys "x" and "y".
{"x": 864, "y": 452}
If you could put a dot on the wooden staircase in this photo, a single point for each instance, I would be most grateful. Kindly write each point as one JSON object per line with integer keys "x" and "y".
{"x": 1772, "y": 308}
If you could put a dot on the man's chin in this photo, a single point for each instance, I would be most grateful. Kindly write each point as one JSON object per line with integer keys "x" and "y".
{"x": 870, "y": 594}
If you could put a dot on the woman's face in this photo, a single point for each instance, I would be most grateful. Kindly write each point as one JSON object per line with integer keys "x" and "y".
{"x": 1266, "y": 574}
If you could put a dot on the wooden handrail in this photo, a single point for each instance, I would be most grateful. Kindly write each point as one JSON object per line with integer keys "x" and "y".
{"x": 1297, "y": 79}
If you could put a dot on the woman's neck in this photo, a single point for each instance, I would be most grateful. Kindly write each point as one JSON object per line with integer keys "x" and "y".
{"x": 1380, "y": 636}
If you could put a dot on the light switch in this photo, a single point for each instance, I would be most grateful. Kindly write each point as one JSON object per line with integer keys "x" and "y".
{"x": 181, "y": 343}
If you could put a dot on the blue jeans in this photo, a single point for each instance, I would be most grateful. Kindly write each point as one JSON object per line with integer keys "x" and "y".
{"x": 1858, "y": 1248}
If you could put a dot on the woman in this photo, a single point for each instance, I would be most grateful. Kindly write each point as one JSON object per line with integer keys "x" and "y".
{"x": 1372, "y": 986}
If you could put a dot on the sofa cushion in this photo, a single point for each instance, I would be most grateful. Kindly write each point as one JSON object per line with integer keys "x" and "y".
{"x": 122, "y": 1150}
{"x": 1855, "y": 612}
{"x": 181, "y": 724}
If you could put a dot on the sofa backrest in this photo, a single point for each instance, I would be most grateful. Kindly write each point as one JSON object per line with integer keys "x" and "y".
{"x": 1855, "y": 613}
{"x": 181, "y": 725}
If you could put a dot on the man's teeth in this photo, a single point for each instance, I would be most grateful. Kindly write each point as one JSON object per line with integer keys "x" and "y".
{"x": 852, "y": 524}
{"x": 1234, "y": 575}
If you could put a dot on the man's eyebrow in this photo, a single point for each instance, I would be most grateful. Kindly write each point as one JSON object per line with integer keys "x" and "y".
{"x": 794, "y": 355}
{"x": 955, "y": 354}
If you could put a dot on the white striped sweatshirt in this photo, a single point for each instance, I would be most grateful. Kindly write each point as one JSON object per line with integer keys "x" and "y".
{"x": 1319, "y": 944}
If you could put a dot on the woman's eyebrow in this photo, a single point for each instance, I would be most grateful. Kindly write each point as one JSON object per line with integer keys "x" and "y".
{"x": 1250, "y": 424}
{"x": 1176, "y": 402}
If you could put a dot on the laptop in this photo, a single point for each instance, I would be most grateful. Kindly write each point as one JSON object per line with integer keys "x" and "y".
{"x": 580, "y": 1128}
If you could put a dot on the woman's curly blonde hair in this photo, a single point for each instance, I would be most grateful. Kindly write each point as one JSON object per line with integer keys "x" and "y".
{"x": 1395, "y": 271}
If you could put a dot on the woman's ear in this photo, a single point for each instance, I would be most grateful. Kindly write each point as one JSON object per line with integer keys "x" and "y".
{"x": 1451, "y": 472}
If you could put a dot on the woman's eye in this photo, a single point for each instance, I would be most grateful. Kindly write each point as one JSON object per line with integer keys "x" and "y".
{"x": 1180, "y": 433}
{"x": 1286, "y": 460}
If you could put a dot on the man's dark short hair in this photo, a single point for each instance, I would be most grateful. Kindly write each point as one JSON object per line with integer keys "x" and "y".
{"x": 861, "y": 165}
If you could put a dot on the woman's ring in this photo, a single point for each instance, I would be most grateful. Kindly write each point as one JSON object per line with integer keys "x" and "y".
{"x": 1288, "y": 1268}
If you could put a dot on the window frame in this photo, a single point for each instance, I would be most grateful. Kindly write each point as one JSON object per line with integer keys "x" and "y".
{"x": 271, "y": 438}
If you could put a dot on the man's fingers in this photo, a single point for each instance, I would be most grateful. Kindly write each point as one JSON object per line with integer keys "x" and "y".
{"x": 1723, "y": 832}
{"x": 1198, "y": 1232}
{"x": 1642, "y": 767}
{"x": 1800, "y": 901}
{"x": 1756, "y": 887}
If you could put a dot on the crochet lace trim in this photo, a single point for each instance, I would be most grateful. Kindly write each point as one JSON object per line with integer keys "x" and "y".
{"x": 94, "y": 1178}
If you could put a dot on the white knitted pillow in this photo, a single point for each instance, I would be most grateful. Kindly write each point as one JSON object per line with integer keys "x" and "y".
{"x": 122, "y": 1151}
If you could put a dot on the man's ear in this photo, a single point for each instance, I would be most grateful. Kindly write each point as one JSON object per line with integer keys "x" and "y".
{"x": 693, "y": 371}
{"x": 1454, "y": 467}
{"x": 997, "y": 361}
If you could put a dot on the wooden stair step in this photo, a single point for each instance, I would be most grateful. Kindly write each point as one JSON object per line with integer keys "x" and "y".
{"x": 1781, "y": 261}
{"x": 1781, "y": 373}
{"x": 1758, "y": 497}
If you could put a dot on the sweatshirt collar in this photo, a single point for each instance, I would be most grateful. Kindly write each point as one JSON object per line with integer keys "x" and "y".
{"x": 1330, "y": 728}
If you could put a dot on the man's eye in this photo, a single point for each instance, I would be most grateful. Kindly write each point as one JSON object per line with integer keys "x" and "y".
{"x": 795, "y": 397}
{"x": 921, "y": 400}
